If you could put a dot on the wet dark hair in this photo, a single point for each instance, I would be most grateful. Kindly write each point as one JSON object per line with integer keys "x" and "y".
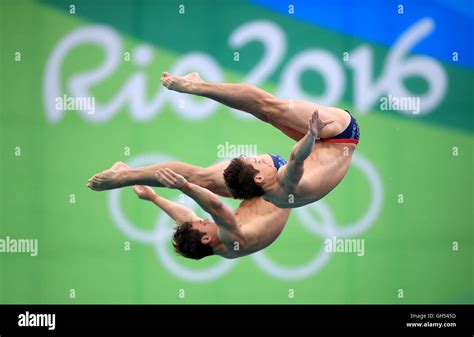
{"x": 239, "y": 177}
{"x": 187, "y": 242}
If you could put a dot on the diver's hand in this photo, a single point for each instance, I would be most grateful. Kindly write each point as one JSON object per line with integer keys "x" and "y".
{"x": 316, "y": 125}
{"x": 170, "y": 179}
{"x": 144, "y": 192}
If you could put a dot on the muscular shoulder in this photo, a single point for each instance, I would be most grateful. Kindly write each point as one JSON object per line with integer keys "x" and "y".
{"x": 285, "y": 184}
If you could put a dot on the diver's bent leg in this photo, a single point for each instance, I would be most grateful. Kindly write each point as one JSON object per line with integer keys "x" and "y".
{"x": 292, "y": 114}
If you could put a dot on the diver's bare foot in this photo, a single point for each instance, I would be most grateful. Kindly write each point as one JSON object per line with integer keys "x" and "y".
{"x": 109, "y": 179}
{"x": 186, "y": 84}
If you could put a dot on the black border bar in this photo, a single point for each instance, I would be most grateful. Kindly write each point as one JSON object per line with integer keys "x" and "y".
{"x": 240, "y": 320}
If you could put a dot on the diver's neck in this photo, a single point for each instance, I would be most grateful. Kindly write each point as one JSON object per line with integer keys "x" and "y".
{"x": 272, "y": 186}
{"x": 217, "y": 245}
